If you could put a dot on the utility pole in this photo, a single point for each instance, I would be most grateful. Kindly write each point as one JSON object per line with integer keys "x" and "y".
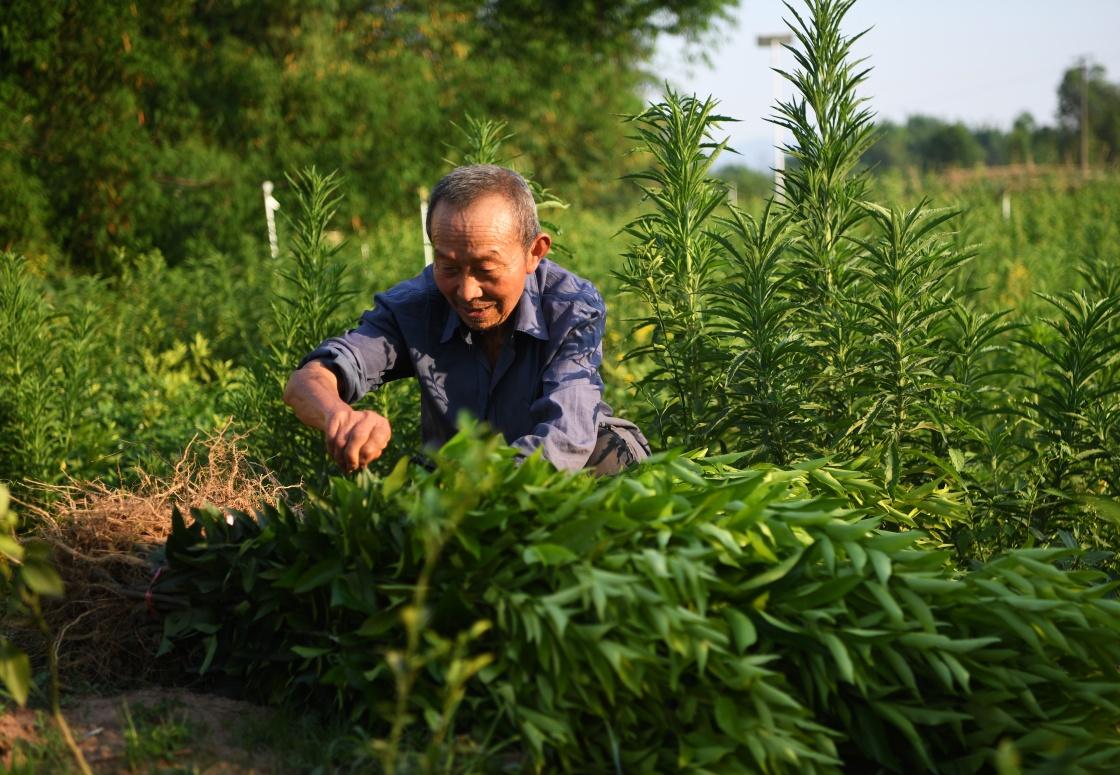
{"x": 774, "y": 43}
{"x": 1084, "y": 116}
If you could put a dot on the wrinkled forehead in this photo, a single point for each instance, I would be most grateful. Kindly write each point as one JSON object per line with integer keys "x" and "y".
{"x": 489, "y": 219}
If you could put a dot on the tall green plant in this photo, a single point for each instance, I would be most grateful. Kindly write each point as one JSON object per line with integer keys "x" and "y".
{"x": 824, "y": 189}
{"x": 1074, "y": 413}
{"x": 768, "y": 410}
{"x": 30, "y": 424}
{"x": 51, "y": 364}
{"x": 906, "y": 298}
{"x": 309, "y": 307}
{"x": 673, "y": 265}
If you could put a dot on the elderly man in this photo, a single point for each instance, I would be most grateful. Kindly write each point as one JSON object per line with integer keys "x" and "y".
{"x": 492, "y": 327}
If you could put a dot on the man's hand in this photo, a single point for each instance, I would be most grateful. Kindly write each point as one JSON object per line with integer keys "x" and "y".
{"x": 353, "y": 438}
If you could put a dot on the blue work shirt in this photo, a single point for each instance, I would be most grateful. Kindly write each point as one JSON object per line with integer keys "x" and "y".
{"x": 544, "y": 390}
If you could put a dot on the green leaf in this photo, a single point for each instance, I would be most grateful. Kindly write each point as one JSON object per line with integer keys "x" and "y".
{"x": 310, "y": 652}
{"x": 211, "y": 643}
{"x": 776, "y": 573}
{"x": 470, "y": 542}
{"x": 840, "y": 655}
{"x": 395, "y": 480}
{"x": 322, "y": 572}
{"x": 10, "y": 548}
{"x": 881, "y": 563}
{"x": 742, "y": 629}
{"x": 956, "y": 457}
{"x": 15, "y": 671}
{"x": 548, "y": 554}
{"x": 378, "y": 624}
{"x": 41, "y": 578}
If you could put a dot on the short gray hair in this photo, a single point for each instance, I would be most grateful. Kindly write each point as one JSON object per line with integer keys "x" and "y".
{"x": 464, "y": 185}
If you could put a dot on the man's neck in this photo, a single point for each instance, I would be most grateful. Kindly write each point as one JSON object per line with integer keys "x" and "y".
{"x": 492, "y": 341}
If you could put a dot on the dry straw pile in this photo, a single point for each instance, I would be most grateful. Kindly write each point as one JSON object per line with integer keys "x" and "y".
{"x": 108, "y": 546}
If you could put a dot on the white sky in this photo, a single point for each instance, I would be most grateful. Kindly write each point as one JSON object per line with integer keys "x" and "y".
{"x": 978, "y": 61}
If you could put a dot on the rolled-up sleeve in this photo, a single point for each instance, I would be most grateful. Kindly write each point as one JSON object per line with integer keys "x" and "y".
{"x": 366, "y": 357}
{"x": 567, "y": 411}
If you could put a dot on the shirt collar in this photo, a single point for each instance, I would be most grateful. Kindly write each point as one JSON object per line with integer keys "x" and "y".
{"x": 529, "y": 315}
{"x": 527, "y": 318}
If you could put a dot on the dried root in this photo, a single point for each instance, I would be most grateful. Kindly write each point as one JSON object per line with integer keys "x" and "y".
{"x": 108, "y": 544}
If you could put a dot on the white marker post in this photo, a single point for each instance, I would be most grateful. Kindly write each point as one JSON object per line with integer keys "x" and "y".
{"x": 270, "y": 208}
{"x": 428, "y": 253}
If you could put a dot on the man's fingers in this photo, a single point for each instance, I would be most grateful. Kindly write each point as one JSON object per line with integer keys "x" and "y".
{"x": 376, "y": 442}
{"x": 338, "y": 428}
{"x": 353, "y": 439}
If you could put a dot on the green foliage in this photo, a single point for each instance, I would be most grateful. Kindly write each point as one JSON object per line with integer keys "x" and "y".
{"x": 929, "y": 143}
{"x": 673, "y": 263}
{"x": 853, "y": 329}
{"x": 154, "y": 735}
{"x": 690, "y": 615}
{"x": 152, "y": 124}
{"x": 308, "y": 307}
{"x": 831, "y": 129}
{"x": 44, "y": 354}
{"x": 93, "y": 377}
{"x": 767, "y": 371}
{"x": 26, "y": 576}
{"x": 905, "y": 302}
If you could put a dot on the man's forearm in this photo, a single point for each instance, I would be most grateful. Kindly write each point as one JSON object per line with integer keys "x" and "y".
{"x": 312, "y": 392}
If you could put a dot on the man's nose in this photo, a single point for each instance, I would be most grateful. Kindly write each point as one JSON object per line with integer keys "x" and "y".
{"x": 469, "y": 289}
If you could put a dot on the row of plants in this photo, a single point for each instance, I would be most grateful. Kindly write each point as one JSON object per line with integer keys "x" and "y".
{"x": 900, "y": 556}
{"x": 833, "y": 324}
{"x": 691, "y": 615}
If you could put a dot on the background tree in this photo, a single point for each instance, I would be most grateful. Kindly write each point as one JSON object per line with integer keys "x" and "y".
{"x": 1103, "y": 110}
{"x": 152, "y": 124}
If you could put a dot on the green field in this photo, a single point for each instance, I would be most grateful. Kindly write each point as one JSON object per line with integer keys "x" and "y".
{"x": 878, "y": 533}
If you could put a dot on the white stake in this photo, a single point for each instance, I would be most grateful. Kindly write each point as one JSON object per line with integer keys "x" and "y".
{"x": 428, "y": 254}
{"x": 1006, "y": 206}
{"x": 270, "y": 208}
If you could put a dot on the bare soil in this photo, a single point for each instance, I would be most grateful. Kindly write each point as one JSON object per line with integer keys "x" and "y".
{"x": 215, "y": 743}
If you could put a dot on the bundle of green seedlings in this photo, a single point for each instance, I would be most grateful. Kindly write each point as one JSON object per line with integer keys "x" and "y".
{"x": 830, "y": 324}
{"x": 685, "y": 616}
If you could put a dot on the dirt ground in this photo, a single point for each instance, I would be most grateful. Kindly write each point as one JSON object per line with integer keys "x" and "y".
{"x": 149, "y": 730}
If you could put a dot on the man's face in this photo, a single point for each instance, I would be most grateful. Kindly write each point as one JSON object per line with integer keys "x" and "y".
{"x": 481, "y": 262}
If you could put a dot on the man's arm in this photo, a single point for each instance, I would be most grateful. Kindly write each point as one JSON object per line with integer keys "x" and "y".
{"x": 353, "y": 438}
{"x": 344, "y": 368}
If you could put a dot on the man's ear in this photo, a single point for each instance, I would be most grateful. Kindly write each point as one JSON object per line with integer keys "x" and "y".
{"x": 538, "y": 250}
